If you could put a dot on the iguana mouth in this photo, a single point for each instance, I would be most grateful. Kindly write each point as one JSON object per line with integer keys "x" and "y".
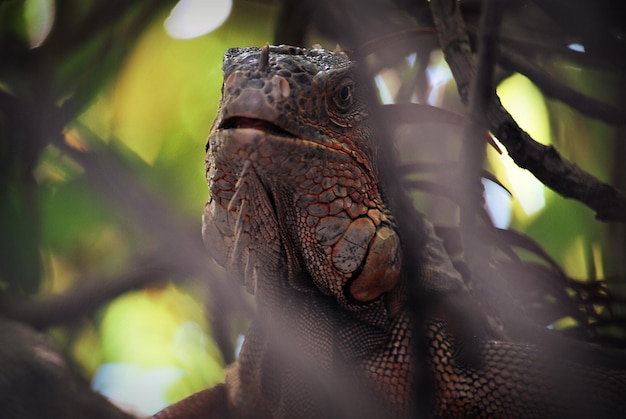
{"x": 239, "y": 122}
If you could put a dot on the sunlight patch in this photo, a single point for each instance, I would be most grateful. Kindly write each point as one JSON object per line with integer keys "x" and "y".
{"x": 526, "y": 105}
{"x": 498, "y": 203}
{"x": 386, "y": 97}
{"x": 576, "y": 47}
{"x": 439, "y": 75}
{"x": 140, "y": 390}
{"x": 193, "y": 18}
{"x": 39, "y": 17}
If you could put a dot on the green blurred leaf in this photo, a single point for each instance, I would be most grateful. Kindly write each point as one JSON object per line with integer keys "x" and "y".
{"x": 69, "y": 212}
{"x": 20, "y": 265}
{"x": 13, "y": 26}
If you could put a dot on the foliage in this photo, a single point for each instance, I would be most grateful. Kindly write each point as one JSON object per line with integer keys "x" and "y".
{"x": 108, "y": 77}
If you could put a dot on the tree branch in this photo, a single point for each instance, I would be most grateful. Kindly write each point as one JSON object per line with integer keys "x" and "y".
{"x": 36, "y": 381}
{"x": 553, "y": 88}
{"x": 473, "y": 146}
{"x": 85, "y": 298}
{"x": 559, "y": 174}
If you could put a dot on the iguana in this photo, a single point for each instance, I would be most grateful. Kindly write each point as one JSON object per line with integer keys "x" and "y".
{"x": 297, "y": 211}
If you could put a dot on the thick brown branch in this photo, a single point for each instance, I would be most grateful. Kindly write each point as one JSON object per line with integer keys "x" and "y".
{"x": 559, "y": 174}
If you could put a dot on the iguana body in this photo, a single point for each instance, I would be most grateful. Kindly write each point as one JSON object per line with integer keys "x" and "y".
{"x": 296, "y": 210}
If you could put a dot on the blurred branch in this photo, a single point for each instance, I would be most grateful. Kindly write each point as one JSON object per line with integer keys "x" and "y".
{"x": 476, "y": 253}
{"x": 473, "y": 146}
{"x": 537, "y": 48}
{"x": 594, "y": 27}
{"x": 411, "y": 35}
{"x": 180, "y": 249}
{"x": 292, "y": 22}
{"x": 559, "y": 174}
{"x": 86, "y": 297}
{"x": 411, "y": 224}
{"x": 551, "y": 87}
{"x": 418, "y": 113}
{"x": 36, "y": 382}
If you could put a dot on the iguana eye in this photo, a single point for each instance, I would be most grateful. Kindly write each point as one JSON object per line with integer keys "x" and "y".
{"x": 343, "y": 97}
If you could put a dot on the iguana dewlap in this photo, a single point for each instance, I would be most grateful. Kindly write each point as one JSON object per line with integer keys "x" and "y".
{"x": 296, "y": 211}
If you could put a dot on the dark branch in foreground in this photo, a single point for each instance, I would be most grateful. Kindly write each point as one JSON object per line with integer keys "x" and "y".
{"x": 559, "y": 174}
{"x": 37, "y": 382}
{"x": 473, "y": 147}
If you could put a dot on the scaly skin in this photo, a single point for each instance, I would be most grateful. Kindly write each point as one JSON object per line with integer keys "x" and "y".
{"x": 296, "y": 205}
{"x": 296, "y": 211}
{"x": 319, "y": 176}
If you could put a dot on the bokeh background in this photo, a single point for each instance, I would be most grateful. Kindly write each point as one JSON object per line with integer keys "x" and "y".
{"x": 139, "y": 84}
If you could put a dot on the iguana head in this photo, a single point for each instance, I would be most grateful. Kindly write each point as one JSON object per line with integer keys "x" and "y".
{"x": 293, "y": 189}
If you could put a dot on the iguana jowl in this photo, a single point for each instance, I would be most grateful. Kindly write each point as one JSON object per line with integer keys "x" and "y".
{"x": 296, "y": 210}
